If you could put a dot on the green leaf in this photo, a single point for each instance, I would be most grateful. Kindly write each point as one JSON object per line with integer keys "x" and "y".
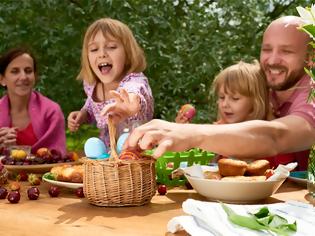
{"x": 262, "y": 212}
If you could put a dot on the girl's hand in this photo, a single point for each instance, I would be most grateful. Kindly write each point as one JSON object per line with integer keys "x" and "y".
{"x": 125, "y": 105}
{"x": 75, "y": 119}
{"x": 8, "y": 136}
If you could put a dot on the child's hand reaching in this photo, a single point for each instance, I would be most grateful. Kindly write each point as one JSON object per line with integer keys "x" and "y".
{"x": 181, "y": 118}
{"x": 125, "y": 105}
{"x": 75, "y": 119}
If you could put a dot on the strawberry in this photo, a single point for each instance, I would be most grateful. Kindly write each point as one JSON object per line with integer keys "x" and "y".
{"x": 33, "y": 179}
{"x": 22, "y": 176}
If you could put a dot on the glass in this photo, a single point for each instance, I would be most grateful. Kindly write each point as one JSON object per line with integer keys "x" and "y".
{"x": 311, "y": 173}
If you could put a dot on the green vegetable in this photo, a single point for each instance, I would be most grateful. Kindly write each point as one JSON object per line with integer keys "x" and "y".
{"x": 50, "y": 176}
{"x": 261, "y": 220}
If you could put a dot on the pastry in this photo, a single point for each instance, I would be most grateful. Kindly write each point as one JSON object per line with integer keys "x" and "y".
{"x": 68, "y": 173}
{"x": 212, "y": 175}
{"x": 244, "y": 178}
{"x": 231, "y": 167}
{"x": 257, "y": 167}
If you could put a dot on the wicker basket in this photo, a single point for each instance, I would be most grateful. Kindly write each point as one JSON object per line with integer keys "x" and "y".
{"x": 116, "y": 182}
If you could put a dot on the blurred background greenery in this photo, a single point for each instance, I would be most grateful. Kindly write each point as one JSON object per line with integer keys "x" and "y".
{"x": 187, "y": 42}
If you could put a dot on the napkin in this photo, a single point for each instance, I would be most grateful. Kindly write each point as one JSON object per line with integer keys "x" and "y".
{"x": 282, "y": 171}
{"x": 209, "y": 218}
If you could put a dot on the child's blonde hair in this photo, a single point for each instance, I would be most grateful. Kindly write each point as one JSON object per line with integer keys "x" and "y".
{"x": 248, "y": 80}
{"x": 135, "y": 58}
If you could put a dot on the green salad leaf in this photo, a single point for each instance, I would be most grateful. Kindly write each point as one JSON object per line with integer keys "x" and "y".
{"x": 263, "y": 219}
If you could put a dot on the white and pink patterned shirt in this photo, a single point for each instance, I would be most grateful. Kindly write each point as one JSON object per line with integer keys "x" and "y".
{"x": 133, "y": 83}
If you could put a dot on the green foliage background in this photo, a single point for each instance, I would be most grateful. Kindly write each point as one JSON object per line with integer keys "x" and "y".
{"x": 186, "y": 42}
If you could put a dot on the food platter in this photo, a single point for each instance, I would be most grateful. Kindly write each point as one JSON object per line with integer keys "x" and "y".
{"x": 39, "y": 168}
{"x": 61, "y": 183}
{"x": 299, "y": 177}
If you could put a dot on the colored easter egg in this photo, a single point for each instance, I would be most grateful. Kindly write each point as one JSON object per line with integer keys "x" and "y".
{"x": 121, "y": 141}
{"x": 95, "y": 148}
{"x": 189, "y": 111}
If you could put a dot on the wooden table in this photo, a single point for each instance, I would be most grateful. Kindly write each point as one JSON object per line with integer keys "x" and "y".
{"x": 69, "y": 215}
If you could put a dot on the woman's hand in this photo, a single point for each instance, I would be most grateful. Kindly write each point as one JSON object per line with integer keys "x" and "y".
{"x": 125, "y": 105}
{"x": 75, "y": 119}
{"x": 8, "y": 136}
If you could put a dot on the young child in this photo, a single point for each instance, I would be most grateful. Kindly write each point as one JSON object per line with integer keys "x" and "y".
{"x": 242, "y": 95}
{"x": 112, "y": 63}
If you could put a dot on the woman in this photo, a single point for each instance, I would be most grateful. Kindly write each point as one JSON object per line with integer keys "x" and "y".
{"x": 27, "y": 117}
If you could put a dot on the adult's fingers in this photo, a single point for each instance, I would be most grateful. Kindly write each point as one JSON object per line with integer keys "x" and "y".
{"x": 163, "y": 146}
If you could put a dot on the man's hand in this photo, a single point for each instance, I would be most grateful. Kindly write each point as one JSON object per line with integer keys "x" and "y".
{"x": 163, "y": 135}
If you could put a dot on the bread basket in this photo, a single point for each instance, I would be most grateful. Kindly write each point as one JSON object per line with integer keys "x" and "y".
{"x": 114, "y": 183}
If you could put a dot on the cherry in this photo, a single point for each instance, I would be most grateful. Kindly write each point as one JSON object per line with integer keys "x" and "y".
{"x": 14, "y": 196}
{"x": 79, "y": 192}
{"x": 54, "y": 191}
{"x": 162, "y": 189}
{"x": 33, "y": 193}
{"x": 3, "y": 193}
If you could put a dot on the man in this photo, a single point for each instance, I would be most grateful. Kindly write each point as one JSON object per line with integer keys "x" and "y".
{"x": 284, "y": 55}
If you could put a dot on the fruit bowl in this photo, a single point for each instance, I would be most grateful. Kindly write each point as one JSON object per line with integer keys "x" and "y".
{"x": 40, "y": 168}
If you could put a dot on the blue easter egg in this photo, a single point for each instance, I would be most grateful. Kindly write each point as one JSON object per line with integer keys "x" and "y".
{"x": 121, "y": 141}
{"x": 95, "y": 148}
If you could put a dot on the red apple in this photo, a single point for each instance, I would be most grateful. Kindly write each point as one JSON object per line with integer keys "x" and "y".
{"x": 41, "y": 152}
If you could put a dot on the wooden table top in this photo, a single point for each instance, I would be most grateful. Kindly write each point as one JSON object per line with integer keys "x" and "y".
{"x": 69, "y": 215}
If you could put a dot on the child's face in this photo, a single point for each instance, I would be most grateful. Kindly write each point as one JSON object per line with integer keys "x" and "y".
{"x": 19, "y": 76}
{"x": 107, "y": 58}
{"x": 234, "y": 107}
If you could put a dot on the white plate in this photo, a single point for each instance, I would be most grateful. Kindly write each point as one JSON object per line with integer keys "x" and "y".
{"x": 234, "y": 192}
{"x": 63, "y": 184}
{"x": 299, "y": 177}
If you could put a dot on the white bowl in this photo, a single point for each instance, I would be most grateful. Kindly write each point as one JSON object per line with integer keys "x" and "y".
{"x": 234, "y": 191}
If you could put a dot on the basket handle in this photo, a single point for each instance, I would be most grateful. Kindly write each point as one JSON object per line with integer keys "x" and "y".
{"x": 112, "y": 139}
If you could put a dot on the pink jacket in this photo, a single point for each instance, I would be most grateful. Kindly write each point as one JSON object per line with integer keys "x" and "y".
{"x": 47, "y": 120}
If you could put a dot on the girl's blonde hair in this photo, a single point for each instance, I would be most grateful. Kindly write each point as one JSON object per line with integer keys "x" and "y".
{"x": 135, "y": 58}
{"x": 248, "y": 80}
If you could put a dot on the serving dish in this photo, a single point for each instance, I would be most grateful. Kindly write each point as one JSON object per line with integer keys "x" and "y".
{"x": 299, "y": 177}
{"x": 61, "y": 183}
{"x": 233, "y": 191}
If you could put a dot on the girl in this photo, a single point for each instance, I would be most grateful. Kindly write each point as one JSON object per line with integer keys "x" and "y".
{"x": 242, "y": 95}
{"x": 27, "y": 117}
{"x": 111, "y": 69}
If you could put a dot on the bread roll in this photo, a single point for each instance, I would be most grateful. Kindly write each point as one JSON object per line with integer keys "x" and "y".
{"x": 212, "y": 175}
{"x": 230, "y": 167}
{"x": 244, "y": 178}
{"x": 257, "y": 167}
